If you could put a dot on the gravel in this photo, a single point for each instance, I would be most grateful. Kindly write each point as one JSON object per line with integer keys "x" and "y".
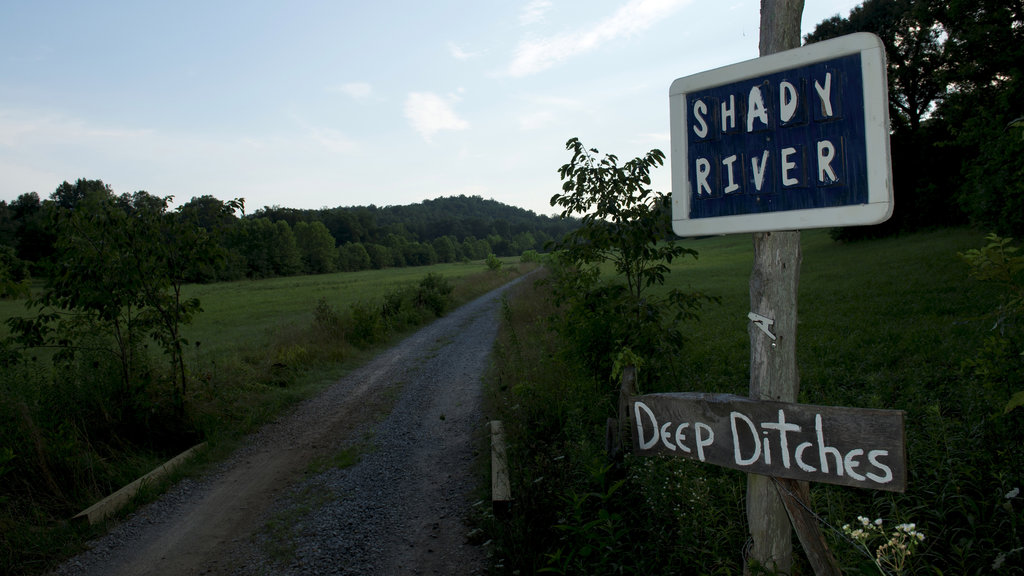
{"x": 280, "y": 505}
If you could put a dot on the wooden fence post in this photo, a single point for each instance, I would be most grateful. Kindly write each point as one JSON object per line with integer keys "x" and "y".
{"x": 618, "y": 434}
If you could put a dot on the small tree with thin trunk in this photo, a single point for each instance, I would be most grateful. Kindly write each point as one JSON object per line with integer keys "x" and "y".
{"x": 625, "y": 223}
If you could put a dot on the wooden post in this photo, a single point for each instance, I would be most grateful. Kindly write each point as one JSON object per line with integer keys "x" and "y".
{"x": 774, "y": 375}
{"x": 773, "y": 295}
{"x": 501, "y": 487}
{"x": 618, "y": 434}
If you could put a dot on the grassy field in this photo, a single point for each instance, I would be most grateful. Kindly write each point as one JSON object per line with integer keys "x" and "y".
{"x": 878, "y": 315}
{"x": 257, "y": 348}
{"x": 882, "y": 324}
{"x": 238, "y": 312}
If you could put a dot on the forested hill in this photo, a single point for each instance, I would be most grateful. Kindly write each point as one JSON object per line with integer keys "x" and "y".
{"x": 210, "y": 239}
{"x": 459, "y": 217}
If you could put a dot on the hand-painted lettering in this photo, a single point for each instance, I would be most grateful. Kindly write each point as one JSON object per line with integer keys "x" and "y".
{"x": 756, "y": 109}
{"x": 826, "y": 154}
{"x": 825, "y": 95}
{"x": 765, "y": 106}
{"x": 774, "y": 444}
{"x": 700, "y": 109}
{"x": 789, "y": 167}
{"x": 729, "y": 113}
{"x": 788, "y": 101}
{"x": 730, "y": 177}
{"x": 703, "y": 173}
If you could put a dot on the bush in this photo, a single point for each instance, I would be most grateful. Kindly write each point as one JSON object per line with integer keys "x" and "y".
{"x": 367, "y": 324}
{"x": 530, "y": 256}
{"x": 434, "y": 293}
{"x": 493, "y": 262}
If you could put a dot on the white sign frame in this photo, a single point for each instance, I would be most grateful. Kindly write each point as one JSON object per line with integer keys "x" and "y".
{"x": 876, "y": 128}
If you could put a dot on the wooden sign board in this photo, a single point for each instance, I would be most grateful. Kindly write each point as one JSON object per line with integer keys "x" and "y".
{"x": 848, "y": 446}
{"x": 798, "y": 139}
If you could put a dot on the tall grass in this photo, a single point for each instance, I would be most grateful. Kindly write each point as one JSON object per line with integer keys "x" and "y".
{"x": 257, "y": 349}
{"x": 882, "y": 324}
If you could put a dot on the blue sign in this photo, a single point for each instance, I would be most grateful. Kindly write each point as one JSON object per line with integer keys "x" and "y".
{"x": 794, "y": 140}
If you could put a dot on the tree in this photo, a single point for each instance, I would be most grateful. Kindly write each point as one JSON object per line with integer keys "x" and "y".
{"x": 34, "y": 235}
{"x": 68, "y": 196}
{"x": 354, "y": 257}
{"x": 380, "y": 256}
{"x": 14, "y": 276}
{"x": 269, "y": 248}
{"x": 986, "y": 48}
{"x": 216, "y": 219}
{"x": 119, "y": 269}
{"x": 955, "y": 86}
{"x": 623, "y": 222}
{"x": 418, "y": 254}
{"x": 444, "y": 247}
{"x": 316, "y": 247}
{"x": 914, "y": 48}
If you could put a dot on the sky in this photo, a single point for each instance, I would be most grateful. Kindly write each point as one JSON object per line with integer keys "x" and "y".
{"x": 319, "y": 104}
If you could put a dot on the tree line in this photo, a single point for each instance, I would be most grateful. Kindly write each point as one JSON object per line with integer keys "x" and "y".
{"x": 272, "y": 241}
{"x": 956, "y": 101}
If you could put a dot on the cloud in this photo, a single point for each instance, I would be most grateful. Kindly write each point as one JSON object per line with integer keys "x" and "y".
{"x": 356, "y": 90}
{"x": 429, "y": 113}
{"x": 458, "y": 53}
{"x": 534, "y": 12}
{"x": 538, "y": 54}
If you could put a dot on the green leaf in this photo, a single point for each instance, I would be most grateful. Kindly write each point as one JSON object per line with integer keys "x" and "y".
{"x": 1016, "y": 401}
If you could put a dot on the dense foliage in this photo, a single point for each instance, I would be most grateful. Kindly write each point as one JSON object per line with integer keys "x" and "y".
{"x": 956, "y": 88}
{"x": 276, "y": 241}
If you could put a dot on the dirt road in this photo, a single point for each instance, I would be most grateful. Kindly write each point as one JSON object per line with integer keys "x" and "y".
{"x": 287, "y": 504}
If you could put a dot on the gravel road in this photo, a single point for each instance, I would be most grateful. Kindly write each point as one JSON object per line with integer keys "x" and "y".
{"x": 283, "y": 504}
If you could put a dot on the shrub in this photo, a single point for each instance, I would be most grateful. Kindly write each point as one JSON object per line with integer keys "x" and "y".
{"x": 367, "y": 324}
{"x": 493, "y": 262}
{"x": 434, "y": 293}
{"x": 530, "y": 256}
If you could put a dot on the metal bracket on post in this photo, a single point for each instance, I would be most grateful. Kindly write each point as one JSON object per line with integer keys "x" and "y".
{"x": 762, "y": 322}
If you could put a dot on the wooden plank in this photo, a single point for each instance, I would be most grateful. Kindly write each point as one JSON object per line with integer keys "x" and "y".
{"x": 111, "y": 504}
{"x": 837, "y": 445}
{"x": 796, "y": 496}
{"x": 501, "y": 487}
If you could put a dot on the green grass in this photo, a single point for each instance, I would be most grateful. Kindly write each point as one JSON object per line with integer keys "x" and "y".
{"x": 255, "y": 351}
{"x": 243, "y": 311}
{"x": 882, "y": 324}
